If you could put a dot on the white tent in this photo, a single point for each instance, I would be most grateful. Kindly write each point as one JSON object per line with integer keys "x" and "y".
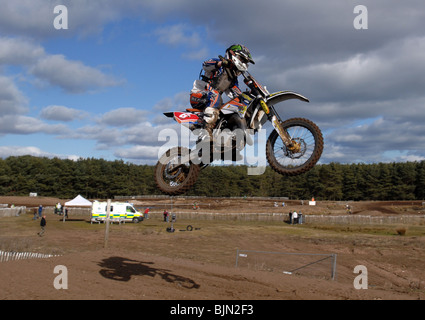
{"x": 78, "y": 201}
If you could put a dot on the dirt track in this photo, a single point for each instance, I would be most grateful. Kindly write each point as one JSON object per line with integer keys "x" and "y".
{"x": 145, "y": 262}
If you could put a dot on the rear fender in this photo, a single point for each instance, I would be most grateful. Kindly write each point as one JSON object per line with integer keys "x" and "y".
{"x": 183, "y": 117}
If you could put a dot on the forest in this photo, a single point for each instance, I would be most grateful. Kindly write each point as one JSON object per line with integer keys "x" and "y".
{"x": 101, "y": 179}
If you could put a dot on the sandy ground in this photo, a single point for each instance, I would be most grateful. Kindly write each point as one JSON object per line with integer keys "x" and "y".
{"x": 143, "y": 261}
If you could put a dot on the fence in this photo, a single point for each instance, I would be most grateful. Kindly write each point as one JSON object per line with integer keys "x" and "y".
{"x": 12, "y": 212}
{"x": 310, "y": 264}
{"x": 10, "y": 256}
{"x": 307, "y": 218}
{"x": 240, "y": 216}
{"x": 365, "y": 219}
{"x": 197, "y": 197}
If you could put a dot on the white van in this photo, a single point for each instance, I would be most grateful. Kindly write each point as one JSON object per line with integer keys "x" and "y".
{"x": 120, "y": 211}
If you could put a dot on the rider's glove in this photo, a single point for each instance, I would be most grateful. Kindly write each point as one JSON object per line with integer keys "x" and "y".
{"x": 227, "y": 63}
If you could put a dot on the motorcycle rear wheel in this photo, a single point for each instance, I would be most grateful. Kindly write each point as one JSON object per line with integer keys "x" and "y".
{"x": 173, "y": 177}
{"x": 308, "y": 137}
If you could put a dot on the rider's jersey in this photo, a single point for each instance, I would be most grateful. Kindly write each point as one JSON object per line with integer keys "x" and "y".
{"x": 221, "y": 79}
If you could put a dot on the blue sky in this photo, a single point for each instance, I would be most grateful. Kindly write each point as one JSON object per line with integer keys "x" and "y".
{"x": 98, "y": 89}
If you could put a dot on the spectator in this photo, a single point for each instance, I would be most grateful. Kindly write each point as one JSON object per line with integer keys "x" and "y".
{"x": 165, "y": 216}
{"x": 146, "y": 213}
{"x": 290, "y": 217}
{"x": 295, "y": 217}
{"x": 40, "y": 210}
{"x": 300, "y": 218}
{"x": 43, "y": 226}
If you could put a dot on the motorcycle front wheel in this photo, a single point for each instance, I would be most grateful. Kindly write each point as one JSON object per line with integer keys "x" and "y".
{"x": 172, "y": 176}
{"x": 306, "y": 151}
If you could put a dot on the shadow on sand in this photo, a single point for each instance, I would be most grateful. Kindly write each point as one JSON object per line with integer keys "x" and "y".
{"x": 122, "y": 269}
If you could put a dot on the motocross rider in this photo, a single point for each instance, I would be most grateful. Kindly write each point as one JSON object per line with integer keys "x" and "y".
{"x": 220, "y": 76}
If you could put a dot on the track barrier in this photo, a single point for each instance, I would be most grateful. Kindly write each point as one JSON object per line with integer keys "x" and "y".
{"x": 12, "y": 255}
{"x": 310, "y": 264}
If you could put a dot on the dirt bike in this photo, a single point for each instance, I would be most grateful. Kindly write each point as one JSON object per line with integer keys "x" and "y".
{"x": 293, "y": 147}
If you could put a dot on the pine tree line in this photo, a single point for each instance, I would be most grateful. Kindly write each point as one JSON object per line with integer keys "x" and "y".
{"x": 98, "y": 178}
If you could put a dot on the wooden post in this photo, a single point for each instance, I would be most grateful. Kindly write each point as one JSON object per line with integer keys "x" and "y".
{"x": 108, "y": 211}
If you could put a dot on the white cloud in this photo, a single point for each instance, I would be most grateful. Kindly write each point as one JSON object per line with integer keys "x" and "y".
{"x": 179, "y": 34}
{"x": 12, "y": 101}
{"x": 11, "y": 124}
{"x": 373, "y": 141}
{"x": 72, "y": 76}
{"x": 183, "y": 35}
{"x": 391, "y": 72}
{"x": 105, "y": 137}
{"x": 56, "y": 70}
{"x": 180, "y": 101}
{"x": 60, "y": 113}
{"x": 17, "y": 51}
{"x": 199, "y": 54}
{"x": 123, "y": 117}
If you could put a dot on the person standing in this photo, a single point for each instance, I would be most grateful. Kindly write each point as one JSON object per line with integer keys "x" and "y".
{"x": 165, "y": 216}
{"x": 43, "y": 226}
{"x": 146, "y": 213}
{"x": 295, "y": 217}
{"x": 40, "y": 210}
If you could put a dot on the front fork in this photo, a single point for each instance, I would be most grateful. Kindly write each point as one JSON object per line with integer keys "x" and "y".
{"x": 277, "y": 124}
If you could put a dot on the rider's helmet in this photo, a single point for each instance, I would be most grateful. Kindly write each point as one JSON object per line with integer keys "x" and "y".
{"x": 240, "y": 56}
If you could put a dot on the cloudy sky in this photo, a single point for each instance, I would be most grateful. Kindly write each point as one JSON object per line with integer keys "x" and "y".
{"x": 99, "y": 87}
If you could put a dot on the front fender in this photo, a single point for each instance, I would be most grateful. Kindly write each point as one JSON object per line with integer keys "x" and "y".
{"x": 280, "y": 96}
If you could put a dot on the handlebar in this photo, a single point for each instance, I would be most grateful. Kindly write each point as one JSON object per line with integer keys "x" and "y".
{"x": 251, "y": 83}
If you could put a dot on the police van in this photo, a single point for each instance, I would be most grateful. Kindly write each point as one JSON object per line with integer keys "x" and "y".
{"x": 120, "y": 211}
